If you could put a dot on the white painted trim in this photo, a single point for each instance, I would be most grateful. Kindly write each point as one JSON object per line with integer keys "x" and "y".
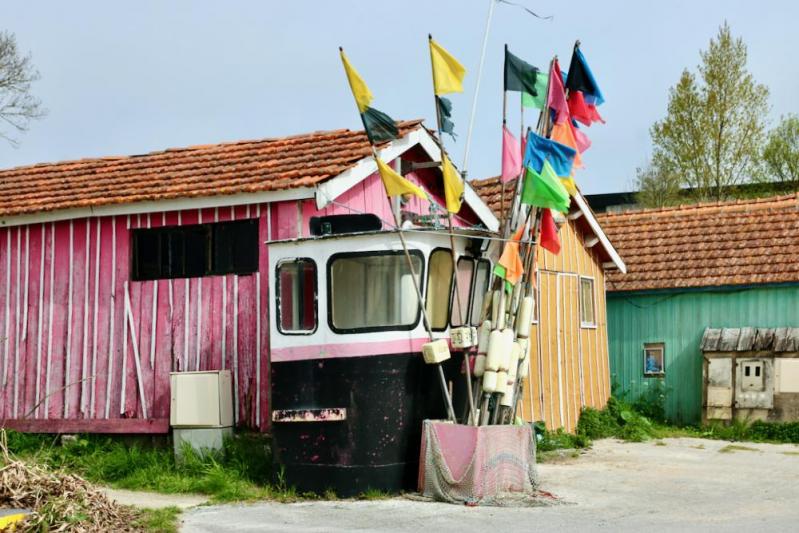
{"x": 85, "y": 343}
{"x": 597, "y": 229}
{"x": 124, "y": 370}
{"x": 39, "y": 325}
{"x": 199, "y": 330}
{"x": 558, "y": 342}
{"x": 6, "y": 338}
{"x": 94, "y": 320}
{"x": 258, "y": 330}
{"x": 68, "y": 355}
{"x": 50, "y": 324}
{"x": 154, "y": 324}
{"x": 587, "y": 325}
{"x": 155, "y": 206}
{"x": 236, "y": 347}
{"x": 574, "y": 215}
{"x": 335, "y": 187}
{"x": 592, "y": 241}
{"x": 16, "y": 322}
{"x": 110, "y": 369}
{"x": 136, "y": 358}
{"x": 27, "y": 284}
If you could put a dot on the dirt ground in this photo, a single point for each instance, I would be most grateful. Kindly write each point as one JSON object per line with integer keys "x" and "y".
{"x": 670, "y": 485}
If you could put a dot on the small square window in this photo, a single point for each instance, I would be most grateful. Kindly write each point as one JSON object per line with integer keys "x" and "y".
{"x": 296, "y": 297}
{"x": 587, "y": 303}
{"x": 654, "y": 360}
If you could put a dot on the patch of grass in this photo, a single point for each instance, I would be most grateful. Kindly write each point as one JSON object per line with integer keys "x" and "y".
{"x": 789, "y": 453}
{"x": 374, "y": 494}
{"x": 158, "y": 520}
{"x": 241, "y": 471}
{"x": 660, "y": 443}
{"x": 699, "y": 447}
{"x": 730, "y": 448}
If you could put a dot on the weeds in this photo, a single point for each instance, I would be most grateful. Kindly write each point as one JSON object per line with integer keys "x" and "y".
{"x": 730, "y": 448}
{"x": 158, "y": 520}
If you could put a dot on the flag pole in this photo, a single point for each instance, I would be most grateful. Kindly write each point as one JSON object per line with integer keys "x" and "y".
{"x": 420, "y": 299}
{"x": 464, "y": 172}
{"x": 452, "y": 240}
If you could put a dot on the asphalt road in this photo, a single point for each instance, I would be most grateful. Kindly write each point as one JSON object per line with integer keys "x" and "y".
{"x": 677, "y": 485}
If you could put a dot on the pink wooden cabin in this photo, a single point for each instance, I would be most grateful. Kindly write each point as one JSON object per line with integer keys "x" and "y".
{"x": 93, "y": 318}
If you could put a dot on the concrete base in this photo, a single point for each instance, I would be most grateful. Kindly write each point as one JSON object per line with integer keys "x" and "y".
{"x": 201, "y": 440}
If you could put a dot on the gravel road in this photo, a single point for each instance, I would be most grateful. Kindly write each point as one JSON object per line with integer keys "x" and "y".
{"x": 670, "y": 485}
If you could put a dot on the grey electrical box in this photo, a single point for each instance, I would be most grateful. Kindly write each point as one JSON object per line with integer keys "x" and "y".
{"x": 754, "y": 380}
{"x": 753, "y": 376}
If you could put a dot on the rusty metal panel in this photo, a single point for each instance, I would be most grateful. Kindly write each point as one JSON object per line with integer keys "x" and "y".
{"x": 763, "y": 339}
{"x": 719, "y": 372}
{"x": 719, "y": 396}
{"x": 746, "y": 339}
{"x": 729, "y": 339}
{"x": 710, "y": 340}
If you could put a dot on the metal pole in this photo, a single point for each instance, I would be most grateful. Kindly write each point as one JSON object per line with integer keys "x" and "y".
{"x": 477, "y": 88}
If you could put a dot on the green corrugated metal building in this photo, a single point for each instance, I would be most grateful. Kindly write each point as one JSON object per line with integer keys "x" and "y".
{"x": 718, "y": 265}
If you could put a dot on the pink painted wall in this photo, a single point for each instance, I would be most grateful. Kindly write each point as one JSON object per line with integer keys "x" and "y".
{"x": 67, "y": 344}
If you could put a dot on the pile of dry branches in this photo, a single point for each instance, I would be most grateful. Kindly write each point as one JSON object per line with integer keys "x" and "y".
{"x": 59, "y": 501}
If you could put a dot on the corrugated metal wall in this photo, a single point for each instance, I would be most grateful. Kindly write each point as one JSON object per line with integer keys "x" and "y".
{"x": 678, "y": 319}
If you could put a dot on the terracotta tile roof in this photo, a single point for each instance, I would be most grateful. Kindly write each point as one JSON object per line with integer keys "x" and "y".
{"x": 195, "y": 171}
{"x": 705, "y": 245}
{"x": 490, "y": 190}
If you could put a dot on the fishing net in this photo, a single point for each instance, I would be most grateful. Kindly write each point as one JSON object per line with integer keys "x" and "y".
{"x": 486, "y": 465}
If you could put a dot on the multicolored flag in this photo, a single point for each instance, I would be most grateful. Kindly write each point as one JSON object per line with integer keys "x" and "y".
{"x": 581, "y": 78}
{"x": 511, "y": 156}
{"x": 510, "y": 266}
{"x": 539, "y": 149}
{"x": 549, "y": 233}
{"x": 540, "y": 99}
{"x": 395, "y": 184}
{"x": 448, "y": 73}
{"x": 379, "y": 126}
{"x": 562, "y": 132}
{"x": 453, "y": 184}
{"x": 545, "y": 189}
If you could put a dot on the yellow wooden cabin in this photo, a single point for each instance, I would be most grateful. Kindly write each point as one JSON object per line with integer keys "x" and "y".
{"x": 569, "y": 365}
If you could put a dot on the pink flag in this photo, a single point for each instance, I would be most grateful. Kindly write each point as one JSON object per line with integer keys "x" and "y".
{"x": 556, "y": 97}
{"x": 582, "y": 140}
{"x": 511, "y": 156}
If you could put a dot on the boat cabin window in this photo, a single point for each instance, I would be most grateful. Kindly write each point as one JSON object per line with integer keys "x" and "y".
{"x": 473, "y": 278}
{"x": 460, "y": 294}
{"x": 296, "y": 296}
{"x": 195, "y": 250}
{"x": 439, "y": 285}
{"x": 373, "y": 291}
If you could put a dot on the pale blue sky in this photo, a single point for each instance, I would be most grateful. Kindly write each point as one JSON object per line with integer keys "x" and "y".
{"x": 127, "y": 78}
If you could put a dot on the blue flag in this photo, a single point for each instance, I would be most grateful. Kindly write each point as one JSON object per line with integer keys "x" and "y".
{"x": 581, "y": 78}
{"x": 539, "y": 149}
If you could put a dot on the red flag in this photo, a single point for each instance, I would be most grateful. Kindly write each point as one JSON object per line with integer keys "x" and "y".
{"x": 578, "y": 109}
{"x": 549, "y": 233}
{"x": 595, "y": 116}
{"x": 556, "y": 99}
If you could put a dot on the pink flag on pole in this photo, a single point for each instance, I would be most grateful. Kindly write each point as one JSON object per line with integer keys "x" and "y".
{"x": 582, "y": 140}
{"x": 556, "y": 97}
{"x": 511, "y": 156}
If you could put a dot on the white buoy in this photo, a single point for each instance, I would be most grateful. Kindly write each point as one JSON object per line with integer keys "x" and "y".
{"x": 524, "y": 317}
{"x": 524, "y": 368}
{"x": 495, "y": 314}
{"x": 507, "y": 398}
{"x": 525, "y": 346}
{"x": 489, "y": 381}
{"x": 501, "y": 386}
{"x": 482, "y": 339}
{"x": 479, "y": 365}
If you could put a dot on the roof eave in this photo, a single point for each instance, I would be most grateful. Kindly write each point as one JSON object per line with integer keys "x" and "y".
{"x": 614, "y": 256}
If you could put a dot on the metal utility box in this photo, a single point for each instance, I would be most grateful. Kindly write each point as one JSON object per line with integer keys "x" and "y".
{"x": 201, "y": 399}
{"x": 755, "y": 380}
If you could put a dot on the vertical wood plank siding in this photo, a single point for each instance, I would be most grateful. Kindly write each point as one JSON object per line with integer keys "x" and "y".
{"x": 569, "y": 367}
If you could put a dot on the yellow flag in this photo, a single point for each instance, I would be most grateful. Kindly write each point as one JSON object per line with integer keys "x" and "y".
{"x": 363, "y": 96}
{"x": 395, "y": 184}
{"x": 453, "y": 185}
{"x": 570, "y": 185}
{"x": 448, "y": 73}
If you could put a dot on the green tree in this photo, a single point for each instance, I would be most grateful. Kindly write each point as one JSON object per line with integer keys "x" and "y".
{"x": 713, "y": 132}
{"x": 17, "y": 105}
{"x": 654, "y": 188}
{"x": 781, "y": 153}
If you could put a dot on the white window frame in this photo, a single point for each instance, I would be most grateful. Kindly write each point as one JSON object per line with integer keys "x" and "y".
{"x": 587, "y": 325}
{"x": 654, "y": 346}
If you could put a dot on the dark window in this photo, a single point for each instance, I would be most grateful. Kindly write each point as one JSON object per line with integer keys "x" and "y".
{"x": 296, "y": 296}
{"x": 195, "y": 250}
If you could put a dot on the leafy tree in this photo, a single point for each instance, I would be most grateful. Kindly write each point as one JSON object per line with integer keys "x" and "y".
{"x": 713, "y": 133}
{"x": 17, "y": 105}
{"x": 781, "y": 154}
{"x": 654, "y": 188}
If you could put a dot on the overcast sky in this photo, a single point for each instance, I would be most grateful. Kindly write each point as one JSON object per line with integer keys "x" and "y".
{"x": 128, "y": 78}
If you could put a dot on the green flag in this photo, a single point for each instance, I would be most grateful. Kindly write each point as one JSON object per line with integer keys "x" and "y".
{"x": 540, "y": 100}
{"x": 545, "y": 189}
{"x": 379, "y": 126}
